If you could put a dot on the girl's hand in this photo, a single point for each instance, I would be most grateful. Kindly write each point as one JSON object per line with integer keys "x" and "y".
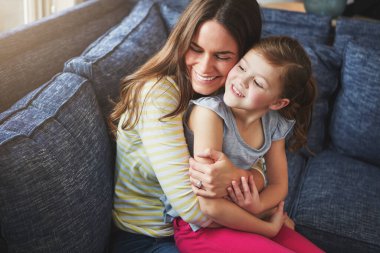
{"x": 289, "y": 223}
{"x": 277, "y": 219}
{"x": 249, "y": 198}
{"x": 215, "y": 177}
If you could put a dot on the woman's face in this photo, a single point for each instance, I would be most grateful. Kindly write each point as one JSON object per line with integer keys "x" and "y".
{"x": 211, "y": 55}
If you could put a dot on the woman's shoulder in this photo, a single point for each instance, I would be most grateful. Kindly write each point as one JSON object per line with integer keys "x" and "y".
{"x": 160, "y": 88}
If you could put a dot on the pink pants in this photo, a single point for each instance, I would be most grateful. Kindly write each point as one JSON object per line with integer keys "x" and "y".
{"x": 208, "y": 240}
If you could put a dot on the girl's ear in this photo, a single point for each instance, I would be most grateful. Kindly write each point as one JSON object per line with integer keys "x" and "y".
{"x": 280, "y": 103}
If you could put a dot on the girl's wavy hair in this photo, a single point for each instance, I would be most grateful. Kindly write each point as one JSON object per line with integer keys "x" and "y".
{"x": 298, "y": 83}
{"x": 241, "y": 18}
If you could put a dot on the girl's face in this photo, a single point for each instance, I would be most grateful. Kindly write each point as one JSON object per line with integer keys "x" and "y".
{"x": 211, "y": 55}
{"x": 254, "y": 84}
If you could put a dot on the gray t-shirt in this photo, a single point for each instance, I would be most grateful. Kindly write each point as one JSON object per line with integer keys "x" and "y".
{"x": 237, "y": 150}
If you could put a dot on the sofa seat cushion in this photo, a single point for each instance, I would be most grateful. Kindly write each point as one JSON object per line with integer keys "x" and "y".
{"x": 56, "y": 170}
{"x": 307, "y": 28}
{"x": 338, "y": 206}
{"x": 120, "y": 51}
{"x": 356, "y": 115}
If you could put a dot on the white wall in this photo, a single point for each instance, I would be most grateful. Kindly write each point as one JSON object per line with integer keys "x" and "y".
{"x": 11, "y": 14}
{"x": 17, "y": 12}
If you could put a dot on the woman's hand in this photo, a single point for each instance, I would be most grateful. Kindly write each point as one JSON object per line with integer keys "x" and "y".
{"x": 246, "y": 196}
{"x": 215, "y": 178}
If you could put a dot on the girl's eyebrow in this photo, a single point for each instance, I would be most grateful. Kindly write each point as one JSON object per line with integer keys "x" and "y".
{"x": 219, "y": 52}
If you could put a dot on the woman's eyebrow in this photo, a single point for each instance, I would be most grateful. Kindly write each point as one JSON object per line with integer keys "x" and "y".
{"x": 218, "y": 52}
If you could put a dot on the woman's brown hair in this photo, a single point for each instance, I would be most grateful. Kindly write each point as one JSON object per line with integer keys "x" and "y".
{"x": 240, "y": 17}
{"x": 298, "y": 83}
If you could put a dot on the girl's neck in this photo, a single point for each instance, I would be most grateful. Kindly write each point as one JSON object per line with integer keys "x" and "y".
{"x": 246, "y": 119}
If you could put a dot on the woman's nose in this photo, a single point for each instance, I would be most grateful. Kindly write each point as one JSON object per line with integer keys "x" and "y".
{"x": 205, "y": 63}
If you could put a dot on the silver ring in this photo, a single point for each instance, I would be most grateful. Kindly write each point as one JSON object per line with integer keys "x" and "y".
{"x": 199, "y": 184}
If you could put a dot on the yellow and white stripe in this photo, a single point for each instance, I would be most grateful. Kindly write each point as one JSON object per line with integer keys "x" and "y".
{"x": 152, "y": 161}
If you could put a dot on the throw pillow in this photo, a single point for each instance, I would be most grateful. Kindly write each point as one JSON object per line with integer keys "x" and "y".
{"x": 120, "y": 51}
{"x": 307, "y": 28}
{"x": 356, "y": 116}
{"x": 56, "y": 171}
{"x": 363, "y": 32}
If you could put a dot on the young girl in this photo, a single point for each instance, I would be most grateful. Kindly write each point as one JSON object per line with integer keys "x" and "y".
{"x": 268, "y": 93}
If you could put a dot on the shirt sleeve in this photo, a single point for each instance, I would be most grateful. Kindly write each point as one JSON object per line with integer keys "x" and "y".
{"x": 282, "y": 127}
{"x": 165, "y": 145}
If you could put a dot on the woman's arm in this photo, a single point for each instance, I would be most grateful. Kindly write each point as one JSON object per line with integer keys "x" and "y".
{"x": 217, "y": 176}
{"x": 166, "y": 150}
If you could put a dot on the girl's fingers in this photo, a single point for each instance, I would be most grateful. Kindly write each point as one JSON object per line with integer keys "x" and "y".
{"x": 238, "y": 193}
{"x": 231, "y": 194}
{"x": 245, "y": 186}
{"x": 253, "y": 186}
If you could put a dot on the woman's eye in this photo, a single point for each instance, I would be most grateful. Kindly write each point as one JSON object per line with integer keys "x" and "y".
{"x": 195, "y": 49}
{"x": 241, "y": 68}
{"x": 223, "y": 58}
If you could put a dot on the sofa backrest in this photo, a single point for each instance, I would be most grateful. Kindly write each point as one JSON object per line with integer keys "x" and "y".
{"x": 33, "y": 54}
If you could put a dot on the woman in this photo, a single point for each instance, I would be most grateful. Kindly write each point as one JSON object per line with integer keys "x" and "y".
{"x": 151, "y": 177}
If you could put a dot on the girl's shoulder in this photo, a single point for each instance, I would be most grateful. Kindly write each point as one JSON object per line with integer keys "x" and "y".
{"x": 214, "y": 103}
{"x": 278, "y": 125}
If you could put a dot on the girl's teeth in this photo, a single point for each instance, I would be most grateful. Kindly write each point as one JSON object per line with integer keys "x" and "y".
{"x": 237, "y": 92}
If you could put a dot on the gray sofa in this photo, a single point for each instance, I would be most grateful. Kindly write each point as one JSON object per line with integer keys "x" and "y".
{"x": 56, "y": 156}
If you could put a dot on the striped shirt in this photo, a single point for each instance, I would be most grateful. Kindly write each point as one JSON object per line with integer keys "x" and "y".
{"x": 152, "y": 163}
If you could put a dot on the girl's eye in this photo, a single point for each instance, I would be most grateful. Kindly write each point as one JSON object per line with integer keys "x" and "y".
{"x": 258, "y": 84}
{"x": 241, "y": 68}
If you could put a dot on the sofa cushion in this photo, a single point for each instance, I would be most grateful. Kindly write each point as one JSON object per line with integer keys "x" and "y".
{"x": 326, "y": 70}
{"x": 338, "y": 207}
{"x": 171, "y": 10}
{"x": 363, "y": 32}
{"x": 56, "y": 171}
{"x": 356, "y": 114}
{"x": 296, "y": 165}
{"x": 120, "y": 51}
{"x": 307, "y": 28}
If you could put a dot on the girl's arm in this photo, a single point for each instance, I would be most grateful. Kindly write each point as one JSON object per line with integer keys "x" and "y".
{"x": 248, "y": 197}
{"x": 207, "y": 129}
{"x": 277, "y": 173}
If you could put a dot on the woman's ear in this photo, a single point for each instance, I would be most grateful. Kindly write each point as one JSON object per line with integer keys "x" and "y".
{"x": 280, "y": 103}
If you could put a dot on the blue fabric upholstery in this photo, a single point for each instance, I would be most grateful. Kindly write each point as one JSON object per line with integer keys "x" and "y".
{"x": 55, "y": 166}
{"x": 171, "y": 10}
{"x": 296, "y": 165}
{"x": 120, "y": 51}
{"x": 326, "y": 70}
{"x": 338, "y": 205}
{"x": 356, "y": 115}
{"x": 307, "y": 28}
{"x": 363, "y": 32}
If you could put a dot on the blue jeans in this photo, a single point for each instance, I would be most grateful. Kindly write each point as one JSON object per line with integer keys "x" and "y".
{"x": 125, "y": 242}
